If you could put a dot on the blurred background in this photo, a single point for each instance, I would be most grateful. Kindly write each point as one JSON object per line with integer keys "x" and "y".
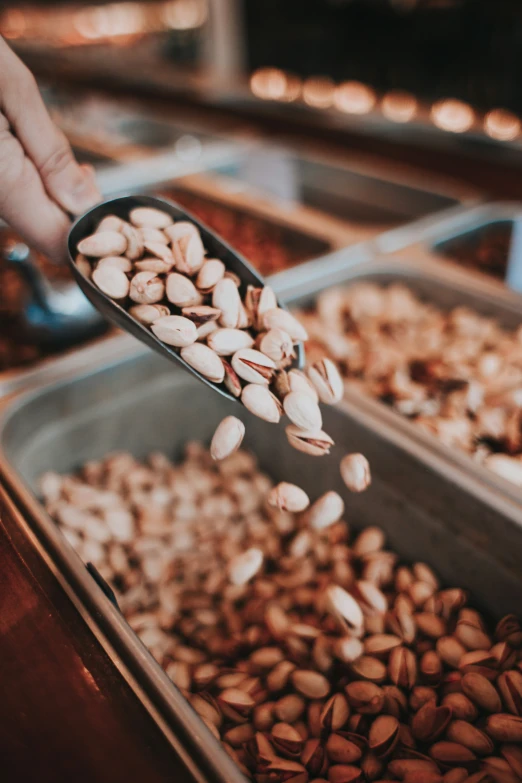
{"x": 294, "y": 129}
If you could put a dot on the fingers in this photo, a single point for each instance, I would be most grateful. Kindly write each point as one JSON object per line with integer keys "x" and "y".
{"x": 72, "y": 186}
{"x": 24, "y": 202}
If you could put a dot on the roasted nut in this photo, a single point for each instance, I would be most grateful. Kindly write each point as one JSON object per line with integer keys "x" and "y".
{"x": 227, "y": 438}
{"x": 327, "y": 381}
{"x": 253, "y": 366}
{"x": 302, "y": 411}
{"x": 288, "y": 497}
{"x": 105, "y": 243}
{"x": 174, "y": 330}
{"x": 146, "y": 288}
{"x": 225, "y": 342}
{"x": 326, "y": 510}
{"x": 355, "y": 472}
{"x": 112, "y": 281}
{"x": 261, "y": 402}
{"x": 204, "y": 360}
{"x": 149, "y": 217}
{"x": 244, "y": 566}
{"x": 314, "y": 442}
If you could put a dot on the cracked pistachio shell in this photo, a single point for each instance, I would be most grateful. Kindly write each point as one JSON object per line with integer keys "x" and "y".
{"x": 146, "y": 314}
{"x": 189, "y": 253}
{"x": 317, "y": 443}
{"x": 327, "y": 381}
{"x": 253, "y": 366}
{"x": 227, "y": 438}
{"x": 146, "y": 288}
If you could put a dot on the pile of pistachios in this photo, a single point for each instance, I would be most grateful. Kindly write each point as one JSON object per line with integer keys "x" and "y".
{"x": 157, "y": 269}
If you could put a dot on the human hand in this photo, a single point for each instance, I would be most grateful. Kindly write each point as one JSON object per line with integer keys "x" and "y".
{"x": 40, "y": 180}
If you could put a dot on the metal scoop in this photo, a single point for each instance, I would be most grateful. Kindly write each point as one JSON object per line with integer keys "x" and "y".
{"x": 56, "y": 315}
{"x": 214, "y": 245}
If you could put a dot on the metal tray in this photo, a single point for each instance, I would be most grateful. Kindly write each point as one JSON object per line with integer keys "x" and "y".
{"x": 446, "y": 290}
{"x": 367, "y": 198}
{"x": 425, "y": 514}
{"x": 435, "y": 239}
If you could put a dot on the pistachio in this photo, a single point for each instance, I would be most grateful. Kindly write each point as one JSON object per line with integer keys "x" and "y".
{"x": 243, "y": 567}
{"x": 298, "y": 382}
{"x": 431, "y": 667}
{"x": 119, "y": 262}
{"x": 277, "y": 345}
{"x": 452, "y": 754}
{"x": 335, "y": 713}
{"x": 481, "y": 692}
{"x": 227, "y": 438}
{"x": 513, "y": 755}
{"x": 450, "y": 650}
{"x": 509, "y": 630}
{"x": 181, "y": 291}
{"x": 110, "y": 223}
{"x": 226, "y": 342}
{"x": 205, "y": 329}
{"x": 225, "y": 297}
{"x": 314, "y": 442}
{"x": 355, "y": 472}
{"x": 253, "y": 366}
{"x": 326, "y": 510}
{"x": 179, "y": 229}
{"x": 348, "y": 648}
{"x": 365, "y": 697}
{"x": 402, "y": 667}
{"x": 327, "y": 381}
{"x": 310, "y": 683}
{"x": 146, "y": 288}
{"x": 101, "y": 244}
{"x": 472, "y": 636}
{"x": 430, "y": 721}
{"x": 85, "y": 268}
{"x": 289, "y": 708}
{"x": 344, "y": 773}
{"x": 420, "y": 696}
{"x": 369, "y": 540}
{"x": 261, "y": 402}
{"x": 149, "y": 234}
{"x": 161, "y": 251}
{"x": 276, "y": 318}
{"x": 135, "y": 245}
{"x": 235, "y": 704}
{"x": 239, "y": 735}
{"x": 149, "y": 217}
{"x": 277, "y": 679}
{"x": 189, "y": 253}
{"x": 479, "y": 661}
{"x": 153, "y": 264}
{"x": 258, "y": 301}
{"x": 313, "y": 757}
{"x": 175, "y": 330}
{"x": 470, "y": 736}
{"x": 381, "y": 644}
{"x": 231, "y": 381}
{"x": 212, "y": 271}
{"x": 368, "y": 668}
{"x": 510, "y": 687}
{"x": 504, "y": 727}
{"x": 205, "y": 361}
{"x": 341, "y": 750}
{"x": 461, "y": 707}
{"x": 112, "y": 281}
{"x": 200, "y": 314}
{"x": 288, "y": 497}
{"x": 384, "y": 735}
{"x": 286, "y": 739}
{"x": 302, "y": 411}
